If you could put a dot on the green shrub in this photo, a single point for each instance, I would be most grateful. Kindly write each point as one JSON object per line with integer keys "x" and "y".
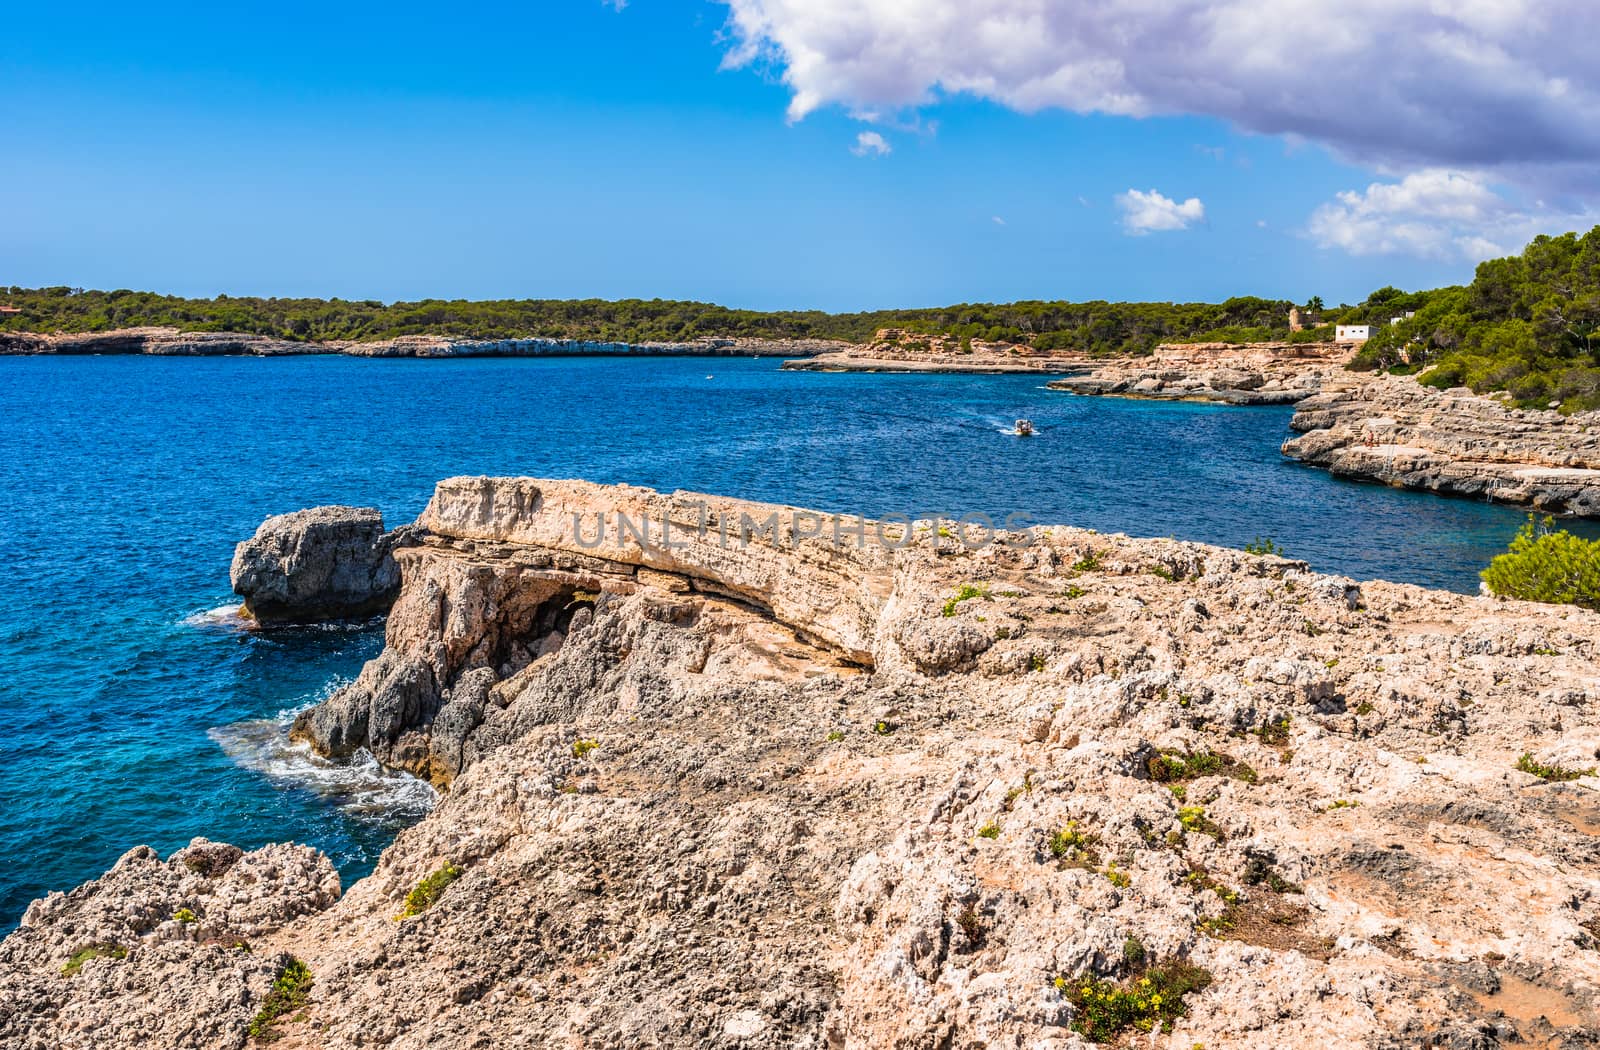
{"x": 185, "y": 916}
{"x": 429, "y": 890}
{"x": 1546, "y": 565}
{"x": 1102, "y": 1010}
{"x": 581, "y": 748}
{"x": 289, "y": 992}
{"x": 990, "y": 830}
{"x": 1263, "y": 545}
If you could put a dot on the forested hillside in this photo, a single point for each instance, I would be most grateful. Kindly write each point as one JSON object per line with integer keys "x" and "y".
{"x": 1094, "y": 327}
{"x": 1526, "y": 325}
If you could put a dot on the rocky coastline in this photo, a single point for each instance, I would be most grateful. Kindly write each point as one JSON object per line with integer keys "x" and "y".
{"x": 1252, "y": 374}
{"x": 1392, "y": 430}
{"x": 752, "y": 777}
{"x": 171, "y": 342}
{"x": 859, "y": 359}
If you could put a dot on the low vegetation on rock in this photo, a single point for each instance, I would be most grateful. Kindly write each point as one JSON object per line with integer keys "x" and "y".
{"x": 1103, "y": 1010}
{"x": 965, "y": 593}
{"x": 289, "y": 992}
{"x": 429, "y": 890}
{"x": 93, "y": 951}
{"x": 1556, "y": 774}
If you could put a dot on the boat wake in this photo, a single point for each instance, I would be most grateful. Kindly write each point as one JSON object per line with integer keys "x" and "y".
{"x": 359, "y": 785}
{"x": 222, "y": 616}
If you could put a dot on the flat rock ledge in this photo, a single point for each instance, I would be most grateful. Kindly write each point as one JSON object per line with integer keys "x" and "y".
{"x": 326, "y": 563}
{"x": 1394, "y": 431}
{"x": 787, "y": 791}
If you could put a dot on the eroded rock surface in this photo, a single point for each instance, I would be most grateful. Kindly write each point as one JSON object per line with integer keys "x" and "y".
{"x": 326, "y": 563}
{"x": 1393, "y": 430}
{"x": 157, "y": 953}
{"x": 809, "y": 796}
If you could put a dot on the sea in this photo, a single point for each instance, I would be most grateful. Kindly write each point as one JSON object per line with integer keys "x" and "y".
{"x": 133, "y": 710}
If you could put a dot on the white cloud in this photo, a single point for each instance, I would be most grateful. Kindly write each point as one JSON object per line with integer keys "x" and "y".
{"x": 871, "y": 144}
{"x": 1149, "y": 212}
{"x": 1509, "y": 85}
{"x": 997, "y": 220}
{"x": 1436, "y": 213}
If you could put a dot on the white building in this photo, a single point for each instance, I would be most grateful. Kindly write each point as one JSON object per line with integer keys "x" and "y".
{"x": 1352, "y": 333}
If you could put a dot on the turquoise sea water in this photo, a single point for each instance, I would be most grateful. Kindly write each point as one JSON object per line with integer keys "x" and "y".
{"x": 129, "y": 715}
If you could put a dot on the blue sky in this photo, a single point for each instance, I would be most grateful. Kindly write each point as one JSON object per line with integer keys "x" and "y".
{"x": 571, "y": 149}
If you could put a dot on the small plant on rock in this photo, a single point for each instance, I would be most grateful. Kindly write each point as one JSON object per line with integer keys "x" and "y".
{"x": 185, "y": 916}
{"x": 971, "y": 926}
{"x": 1073, "y": 846}
{"x": 289, "y": 992}
{"x": 1193, "y": 818}
{"x": 1263, "y": 546}
{"x": 581, "y": 748}
{"x": 990, "y": 830}
{"x": 965, "y": 593}
{"x": 429, "y": 890}
{"x": 1103, "y": 1010}
{"x": 1274, "y": 733}
{"x": 1552, "y": 773}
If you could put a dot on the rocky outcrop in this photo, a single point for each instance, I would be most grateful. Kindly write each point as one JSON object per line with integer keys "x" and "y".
{"x": 921, "y": 797}
{"x": 326, "y": 563}
{"x": 1258, "y": 374}
{"x": 173, "y": 342}
{"x": 158, "y": 953}
{"x": 1393, "y": 430}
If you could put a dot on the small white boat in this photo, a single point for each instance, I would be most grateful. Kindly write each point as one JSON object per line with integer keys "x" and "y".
{"x": 1024, "y": 428}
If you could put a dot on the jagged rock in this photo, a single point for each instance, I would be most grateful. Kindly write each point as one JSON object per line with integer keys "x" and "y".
{"x": 1395, "y": 431}
{"x": 326, "y": 563}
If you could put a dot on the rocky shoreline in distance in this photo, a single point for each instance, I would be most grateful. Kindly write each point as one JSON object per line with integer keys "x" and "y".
{"x": 1254, "y": 374}
{"x": 1394, "y": 431}
{"x": 172, "y": 342}
{"x": 752, "y": 790}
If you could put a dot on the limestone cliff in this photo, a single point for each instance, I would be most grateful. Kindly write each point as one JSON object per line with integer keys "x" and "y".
{"x": 1393, "y": 430}
{"x": 805, "y": 794}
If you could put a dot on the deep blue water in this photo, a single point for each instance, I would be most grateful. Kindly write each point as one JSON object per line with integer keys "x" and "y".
{"x": 128, "y": 718}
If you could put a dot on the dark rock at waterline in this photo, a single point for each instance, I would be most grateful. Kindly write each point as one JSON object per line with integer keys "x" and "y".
{"x": 325, "y": 563}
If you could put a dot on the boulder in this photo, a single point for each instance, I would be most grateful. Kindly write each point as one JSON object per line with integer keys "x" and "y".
{"x": 326, "y": 563}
